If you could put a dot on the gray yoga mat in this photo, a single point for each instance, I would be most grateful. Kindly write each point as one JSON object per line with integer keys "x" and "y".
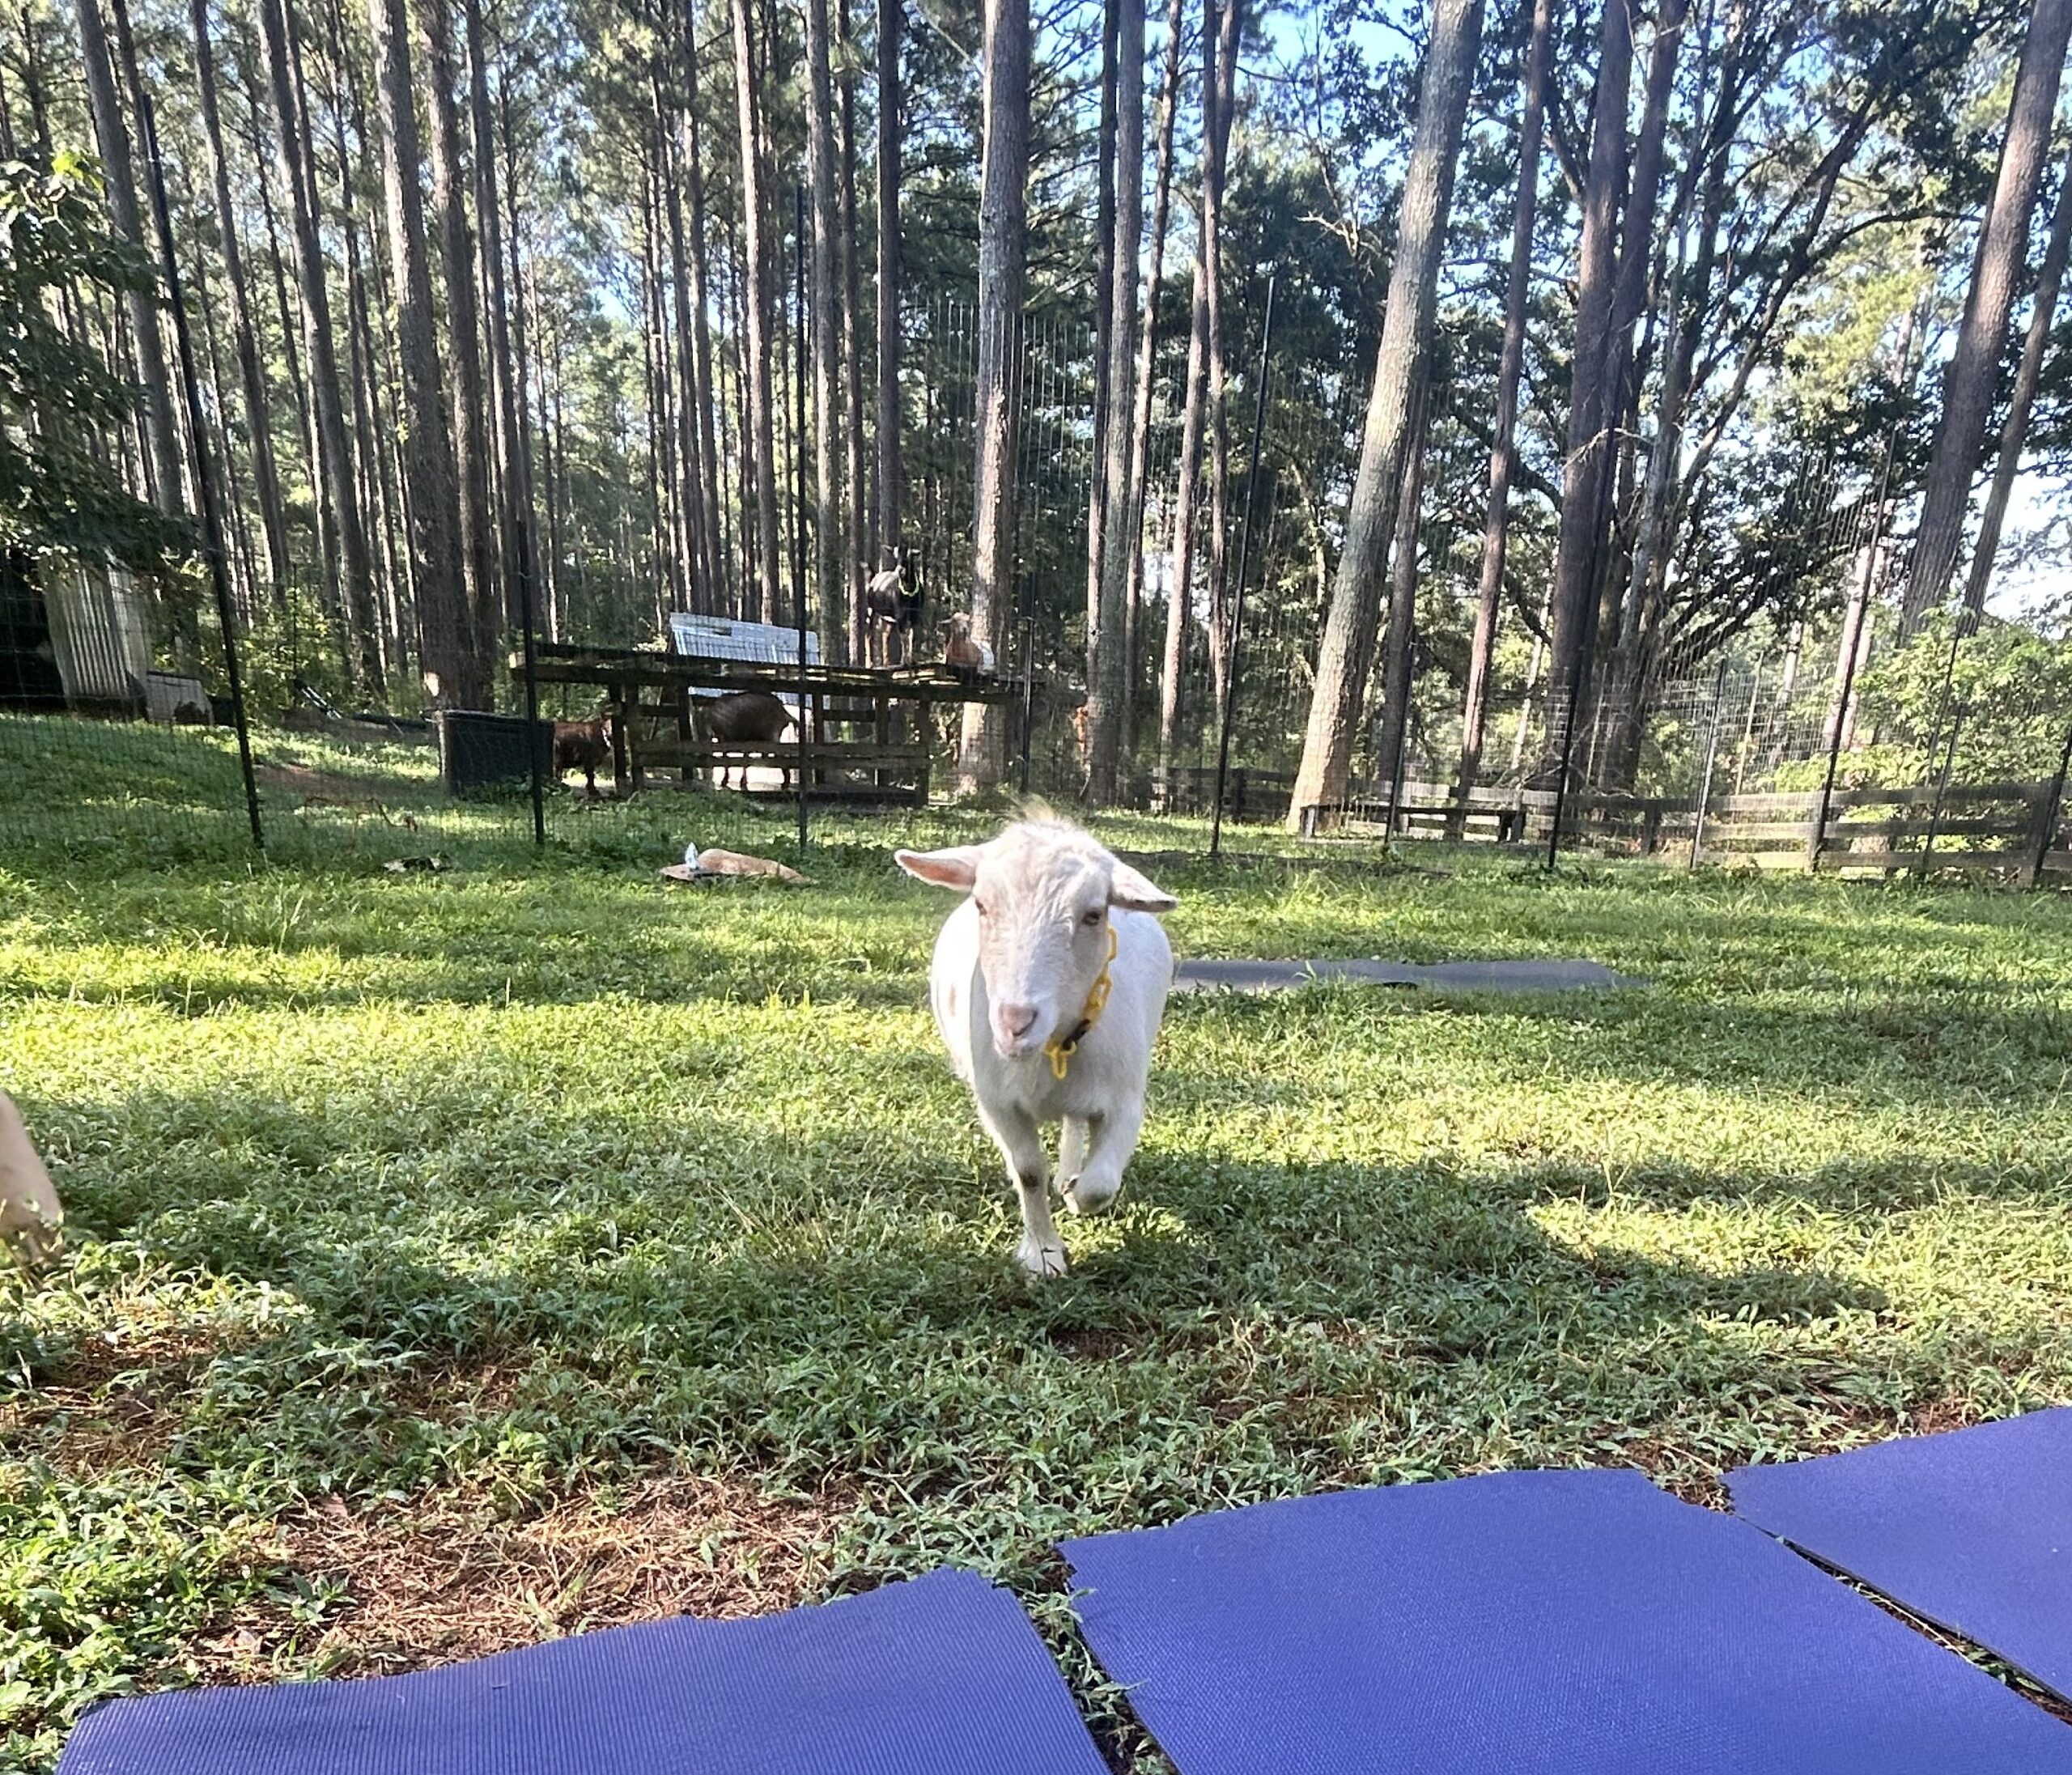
{"x": 1546, "y": 975}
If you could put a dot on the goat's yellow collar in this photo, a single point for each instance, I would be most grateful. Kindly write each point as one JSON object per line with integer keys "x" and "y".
{"x": 1061, "y": 1048}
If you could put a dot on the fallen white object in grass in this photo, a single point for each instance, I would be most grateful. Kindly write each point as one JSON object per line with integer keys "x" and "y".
{"x": 1048, "y": 984}
{"x": 30, "y": 1218}
{"x": 703, "y": 865}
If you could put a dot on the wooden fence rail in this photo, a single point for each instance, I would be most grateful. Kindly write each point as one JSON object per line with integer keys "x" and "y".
{"x": 1993, "y": 828}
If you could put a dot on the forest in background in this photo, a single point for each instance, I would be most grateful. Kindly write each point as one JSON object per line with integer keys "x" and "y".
{"x": 1604, "y": 343}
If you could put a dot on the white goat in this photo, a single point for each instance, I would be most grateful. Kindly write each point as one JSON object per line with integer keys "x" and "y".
{"x": 1048, "y": 984}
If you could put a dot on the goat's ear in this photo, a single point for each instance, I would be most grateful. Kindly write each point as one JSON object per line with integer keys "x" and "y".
{"x": 955, "y": 868}
{"x": 1135, "y": 893}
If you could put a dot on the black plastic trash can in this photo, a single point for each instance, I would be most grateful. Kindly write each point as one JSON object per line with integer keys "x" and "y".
{"x": 479, "y": 752}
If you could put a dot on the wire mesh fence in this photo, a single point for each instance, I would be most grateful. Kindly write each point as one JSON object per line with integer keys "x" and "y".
{"x": 1822, "y": 742}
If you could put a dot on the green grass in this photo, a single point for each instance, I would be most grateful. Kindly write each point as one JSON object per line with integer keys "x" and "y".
{"x": 408, "y": 1201}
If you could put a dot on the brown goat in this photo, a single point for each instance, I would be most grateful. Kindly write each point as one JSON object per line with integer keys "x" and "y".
{"x": 962, "y": 652}
{"x": 743, "y": 717}
{"x": 585, "y": 746}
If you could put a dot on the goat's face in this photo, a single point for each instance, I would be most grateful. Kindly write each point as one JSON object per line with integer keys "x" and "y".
{"x": 1042, "y": 891}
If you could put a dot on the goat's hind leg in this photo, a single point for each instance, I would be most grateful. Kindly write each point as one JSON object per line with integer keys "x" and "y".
{"x": 1041, "y": 1253}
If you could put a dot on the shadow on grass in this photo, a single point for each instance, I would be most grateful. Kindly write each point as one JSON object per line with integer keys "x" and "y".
{"x": 812, "y": 1314}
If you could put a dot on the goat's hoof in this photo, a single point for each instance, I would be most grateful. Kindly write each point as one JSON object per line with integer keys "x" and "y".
{"x": 1040, "y": 1259}
{"x": 1091, "y": 1194}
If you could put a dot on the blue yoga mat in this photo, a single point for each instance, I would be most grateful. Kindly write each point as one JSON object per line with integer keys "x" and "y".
{"x": 1971, "y": 1530}
{"x": 943, "y": 1675}
{"x": 1532, "y": 1623}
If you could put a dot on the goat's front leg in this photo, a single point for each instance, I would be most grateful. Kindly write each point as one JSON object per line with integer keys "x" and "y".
{"x": 1103, "y": 1154}
{"x": 1041, "y": 1253}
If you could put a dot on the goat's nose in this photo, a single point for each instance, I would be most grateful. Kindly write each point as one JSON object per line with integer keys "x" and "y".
{"x": 1017, "y": 1019}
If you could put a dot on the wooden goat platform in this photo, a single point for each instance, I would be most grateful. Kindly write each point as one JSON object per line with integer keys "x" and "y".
{"x": 869, "y": 728}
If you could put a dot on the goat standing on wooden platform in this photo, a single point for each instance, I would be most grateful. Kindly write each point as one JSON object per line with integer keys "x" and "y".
{"x": 893, "y": 598}
{"x": 1048, "y": 984}
{"x": 962, "y": 651}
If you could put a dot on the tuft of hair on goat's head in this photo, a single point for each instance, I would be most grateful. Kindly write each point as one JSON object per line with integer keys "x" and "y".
{"x": 1044, "y": 893}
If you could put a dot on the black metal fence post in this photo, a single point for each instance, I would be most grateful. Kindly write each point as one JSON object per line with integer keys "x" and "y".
{"x": 1244, "y": 563}
{"x": 1942, "y": 789}
{"x": 212, "y": 525}
{"x": 1401, "y": 748}
{"x": 799, "y": 522}
{"x": 2047, "y": 827}
{"x": 521, "y": 563}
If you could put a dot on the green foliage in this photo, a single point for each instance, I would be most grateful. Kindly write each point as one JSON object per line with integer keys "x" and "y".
{"x": 477, "y": 1191}
{"x": 57, "y": 494}
{"x": 2011, "y": 688}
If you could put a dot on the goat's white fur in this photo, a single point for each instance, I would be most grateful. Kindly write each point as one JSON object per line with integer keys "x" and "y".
{"x": 1005, "y": 980}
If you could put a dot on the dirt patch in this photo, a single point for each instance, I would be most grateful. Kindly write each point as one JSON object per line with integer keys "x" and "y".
{"x": 450, "y": 1579}
{"x": 324, "y": 786}
{"x": 1095, "y": 1344}
{"x": 1951, "y": 1412}
{"x": 98, "y": 1406}
{"x": 1677, "y": 1474}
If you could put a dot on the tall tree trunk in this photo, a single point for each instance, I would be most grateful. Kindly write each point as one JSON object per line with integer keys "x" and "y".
{"x": 507, "y": 349}
{"x": 1584, "y": 466}
{"x": 336, "y": 609}
{"x": 162, "y": 457}
{"x": 665, "y": 558}
{"x": 1399, "y": 637}
{"x": 1147, "y": 361}
{"x": 737, "y": 305}
{"x": 252, "y": 381}
{"x": 691, "y": 477}
{"x": 373, "y": 309}
{"x": 237, "y": 530}
{"x": 1636, "y": 251}
{"x": 1104, "y": 277}
{"x": 1110, "y": 663}
{"x": 1620, "y": 613}
{"x": 2015, "y": 430}
{"x": 264, "y": 166}
{"x": 36, "y": 87}
{"x": 364, "y": 373}
{"x": 1219, "y": 100}
{"x": 761, "y": 272}
{"x": 828, "y": 528}
{"x": 1482, "y": 649}
{"x": 353, "y": 563}
{"x": 470, "y": 408}
{"x": 556, "y": 569}
{"x": 455, "y": 674}
{"x": 9, "y": 147}
{"x": 858, "y": 546}
{"x": 891, "y": 490}
{"x": 713, "y": 569}
{"x": 1970, "y": 383}
{"x": 1186, "y": 476}
{"x": 1002, "y": 243}
{"x": 1347, "y": 648}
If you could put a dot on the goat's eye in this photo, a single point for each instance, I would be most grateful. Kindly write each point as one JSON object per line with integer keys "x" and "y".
{"x": 1092, "y": 919}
